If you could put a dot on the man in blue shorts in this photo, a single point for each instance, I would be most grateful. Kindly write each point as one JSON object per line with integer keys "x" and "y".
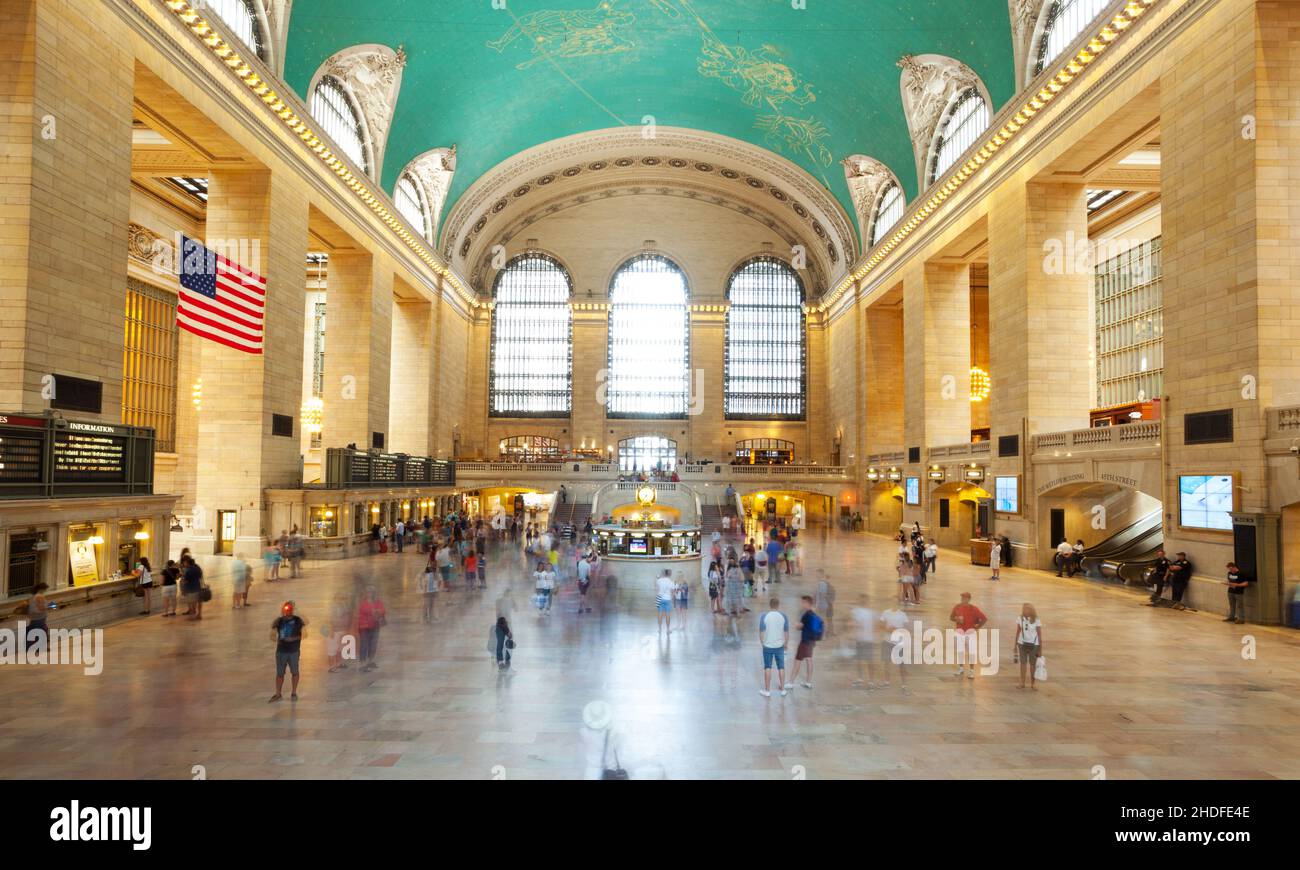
{"x": 287, "y": 631}
{"x": 774, "y": 635}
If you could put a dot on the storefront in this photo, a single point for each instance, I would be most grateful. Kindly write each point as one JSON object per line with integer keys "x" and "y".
{"x": 669, "y": 542}
{"x": 338, "y": 523}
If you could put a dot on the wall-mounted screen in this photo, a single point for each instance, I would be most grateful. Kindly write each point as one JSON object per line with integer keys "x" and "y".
{"x": 914, "y": 490}
{"x": 1205, "y": 501}
{"x": 1006, "y": 494}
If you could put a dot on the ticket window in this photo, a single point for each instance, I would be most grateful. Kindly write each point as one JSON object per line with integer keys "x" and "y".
{"x": 132, "y": 543}
{"x": 85, "y": 554}
{"x": 227, "y": 527}
{"x": 28, "y": 552}
{"x": 323, "y": 522}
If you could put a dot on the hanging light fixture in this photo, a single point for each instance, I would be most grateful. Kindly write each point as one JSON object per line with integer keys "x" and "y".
{"x": 313, "y": 415}
{"x": 980, "y": 384}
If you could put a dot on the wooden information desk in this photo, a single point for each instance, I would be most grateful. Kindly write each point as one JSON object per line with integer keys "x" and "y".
{"x": 980, "y": 550}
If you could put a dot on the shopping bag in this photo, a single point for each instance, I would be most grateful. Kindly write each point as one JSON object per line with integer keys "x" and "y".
{"x": 1040, "y": 670}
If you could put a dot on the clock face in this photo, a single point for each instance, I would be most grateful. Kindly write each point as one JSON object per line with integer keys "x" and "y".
{"x": 646, "y": 495}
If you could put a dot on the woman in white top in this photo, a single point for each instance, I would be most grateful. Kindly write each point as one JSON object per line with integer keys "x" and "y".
{"x": 1029, "y": 642}
{"x": 931, "y": 554}
{"x": 544, "y": 583}
{"x": 906, "y": 579}
{"x": 144, "y": 575}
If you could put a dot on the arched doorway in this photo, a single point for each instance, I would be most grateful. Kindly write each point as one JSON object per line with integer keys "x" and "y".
{"x": 885, "y": 507}
{"x": 954, "y": 513}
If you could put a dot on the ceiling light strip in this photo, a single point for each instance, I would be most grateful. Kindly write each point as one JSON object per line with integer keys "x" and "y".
{"x": 316, "y": 142}
{"x": 1095, "y": 47}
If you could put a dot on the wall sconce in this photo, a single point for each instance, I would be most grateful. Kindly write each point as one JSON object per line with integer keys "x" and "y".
{"x": 975, "y": 473}
{"x": 142, "y": 536}
{"x": 936, "y": 472}
{"x": 873, "y": 474}
{"x": 895, "y": 474}
{"x": 96, "y": 540}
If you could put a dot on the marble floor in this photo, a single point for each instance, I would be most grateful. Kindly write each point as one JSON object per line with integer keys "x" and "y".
{"x": 1134, "y": 692}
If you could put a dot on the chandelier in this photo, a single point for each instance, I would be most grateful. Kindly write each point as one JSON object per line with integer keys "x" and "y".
{"x": 980, "y": 384}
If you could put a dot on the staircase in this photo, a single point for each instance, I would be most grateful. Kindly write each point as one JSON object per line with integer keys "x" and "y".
{"x": 710, "y": 519}
{"x": 572, "y": 514}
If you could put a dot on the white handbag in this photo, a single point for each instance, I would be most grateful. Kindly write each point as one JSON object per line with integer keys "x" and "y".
{"x": 1040, "y": 670}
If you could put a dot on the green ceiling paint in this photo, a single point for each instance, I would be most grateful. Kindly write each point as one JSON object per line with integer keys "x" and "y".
{"x": 814, "y": 84}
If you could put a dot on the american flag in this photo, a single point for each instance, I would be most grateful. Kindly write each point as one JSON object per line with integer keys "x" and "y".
{"x": 220, "y": 300}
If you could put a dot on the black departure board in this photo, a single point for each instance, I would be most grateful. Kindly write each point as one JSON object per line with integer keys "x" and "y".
{"x": 89, "y": 457}
{"x": 354, "y": 468}
{"x": 52, "y": 456}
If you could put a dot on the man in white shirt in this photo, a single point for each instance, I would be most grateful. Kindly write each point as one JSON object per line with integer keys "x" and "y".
{"x": 664, "y": 588}
{"x": 1064, "y": 553}
{"x": 399, "y": 535}
{"x": 774, "y": 635}
{"x": 892, "y": 620}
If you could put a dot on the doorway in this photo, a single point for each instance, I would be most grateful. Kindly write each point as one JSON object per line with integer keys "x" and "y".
{"x": 226, "y": 529}
{"x": 1057, "y": 523}
{"x": 26, "y": 562}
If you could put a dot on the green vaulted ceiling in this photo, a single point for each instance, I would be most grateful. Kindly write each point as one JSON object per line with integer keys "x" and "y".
{"x": 813, "y": 84}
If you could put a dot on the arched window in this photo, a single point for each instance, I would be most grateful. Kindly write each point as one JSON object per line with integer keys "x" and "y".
{"x": 649, "y": 350}
{"x": 889, "y": 211}
{"x": 239, "y": 17}
{"x": 765, "y": 357}
{"x": 1063, "y": 21}
{"x": 522, "y": 448}
{"x": 532, "y": 340}
{"x": 647, "y": 453}
{"x": 410, "y": 203}
{"x": 335, "y": 113}
{"x": 966, "y": 118}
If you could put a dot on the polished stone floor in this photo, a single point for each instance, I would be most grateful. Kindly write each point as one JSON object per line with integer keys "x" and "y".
{"x": 1137, "y": 691}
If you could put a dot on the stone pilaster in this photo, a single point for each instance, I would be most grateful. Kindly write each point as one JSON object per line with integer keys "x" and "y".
{"x": 357, "y": 379}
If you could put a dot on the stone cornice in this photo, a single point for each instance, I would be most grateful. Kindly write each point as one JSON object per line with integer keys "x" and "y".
{"x": 190, "y": 58}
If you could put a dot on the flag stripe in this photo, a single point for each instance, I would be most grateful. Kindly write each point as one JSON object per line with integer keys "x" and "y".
{"x": 229, "y": 312}
{"x": 219, "y": 324}
{"x": 217, "y": 338}
{"x": 254, "y": 280}
{"x": 249, "y": 301}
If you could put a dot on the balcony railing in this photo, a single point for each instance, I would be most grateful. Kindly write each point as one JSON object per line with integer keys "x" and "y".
{"x": 1101, "y": 438}
{"x": 610, "y": 471}
{"x": 969, "y": 449}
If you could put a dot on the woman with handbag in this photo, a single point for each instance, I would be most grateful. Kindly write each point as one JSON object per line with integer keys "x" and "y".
{"x": 1029, "y": 643}
{"x": 144, "y": 582}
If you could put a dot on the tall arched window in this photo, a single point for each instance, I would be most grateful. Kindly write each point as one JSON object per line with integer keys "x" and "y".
{"x": 1063, "y": 21}
{"x": 765, "y": 356}
{"x": 649, "y": 347}
{"x": 889, "y": 211}
{"x": 239, "y": 17}
{"x": 532, "y": 340}
{"x": 411, "y": 205}
{"x": 964, "y": 121}
{"x": 340, "y": 120}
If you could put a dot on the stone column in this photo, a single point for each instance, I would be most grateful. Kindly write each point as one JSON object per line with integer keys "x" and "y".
{"x": 590, "y": 357}
{"x": 936, "y": 376}
{"x": 360, "y": 310}
{"x": 1231, "y": 259}
{"x": 65, "y": 186}
{"x": 883, "y": 375}
{"x": 412, "y": 395}
{"x": 226, "y": 441}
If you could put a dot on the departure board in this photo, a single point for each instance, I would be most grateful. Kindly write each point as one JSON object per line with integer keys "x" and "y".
{"x": 22, "y": 450}
{"x": 89, "y": 456}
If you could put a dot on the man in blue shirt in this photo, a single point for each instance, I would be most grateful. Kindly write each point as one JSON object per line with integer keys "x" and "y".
{"x": 774, "y": 550}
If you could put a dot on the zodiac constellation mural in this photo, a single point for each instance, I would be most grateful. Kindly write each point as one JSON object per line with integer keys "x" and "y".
{"x": 761, "y": 76}
{"x": 570, "y": 33}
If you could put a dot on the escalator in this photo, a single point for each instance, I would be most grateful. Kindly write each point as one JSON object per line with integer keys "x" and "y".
{"x": 1125, "y": 556}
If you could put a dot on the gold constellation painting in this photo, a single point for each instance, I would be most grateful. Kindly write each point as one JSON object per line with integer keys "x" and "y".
{"x": 570, "y": 33}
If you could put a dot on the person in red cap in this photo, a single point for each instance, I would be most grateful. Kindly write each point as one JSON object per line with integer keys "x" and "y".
{"x": 287, "y": 631}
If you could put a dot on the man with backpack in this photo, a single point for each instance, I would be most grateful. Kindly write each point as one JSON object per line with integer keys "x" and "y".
{"x": 811, "y": 627}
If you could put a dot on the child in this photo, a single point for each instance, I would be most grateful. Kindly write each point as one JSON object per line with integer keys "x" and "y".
{"x": 481, "y": 569}
{"x": 471, "y": 569}
{"x": 428, "y": 586}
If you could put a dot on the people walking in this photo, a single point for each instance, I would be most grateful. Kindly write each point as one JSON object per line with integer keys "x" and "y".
{"x": 664, "y": 587}
{"x": 371, "y": 616}
{"x": 681, "y": 600}
{"x": 811, "y": 627}
{"x": 505, "y": 643}
{"x": 427, "y": 583}
{"x": 544, "y": 586}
